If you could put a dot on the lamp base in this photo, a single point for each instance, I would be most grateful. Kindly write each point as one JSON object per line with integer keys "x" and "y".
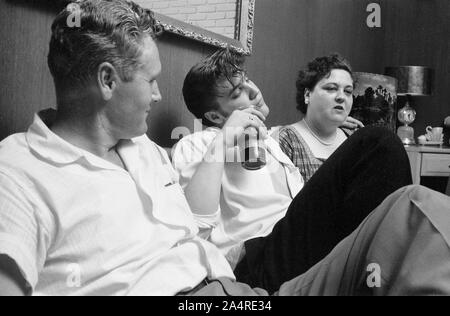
{"x": 406, "y": 134}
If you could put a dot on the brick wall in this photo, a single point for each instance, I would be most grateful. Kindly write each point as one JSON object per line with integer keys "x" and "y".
{"x": 214, "y": 15}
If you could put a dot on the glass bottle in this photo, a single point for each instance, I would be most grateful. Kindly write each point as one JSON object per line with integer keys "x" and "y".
{"x": 254, "y": 150}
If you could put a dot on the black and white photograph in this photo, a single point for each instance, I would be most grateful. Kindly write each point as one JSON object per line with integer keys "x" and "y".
{"x": 224, "y": 153}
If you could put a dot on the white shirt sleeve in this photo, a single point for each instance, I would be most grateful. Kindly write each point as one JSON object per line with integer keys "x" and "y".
{"x": 187, "y": 157}
{"x": 22, "y": 235}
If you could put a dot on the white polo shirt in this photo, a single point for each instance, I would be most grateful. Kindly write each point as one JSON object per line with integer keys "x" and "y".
{"x": 252, "y": 201}
{"x": 79, "y": 225}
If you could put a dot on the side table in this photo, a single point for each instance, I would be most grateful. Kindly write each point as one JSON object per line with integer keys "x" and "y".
{"x": 429, "y": 161}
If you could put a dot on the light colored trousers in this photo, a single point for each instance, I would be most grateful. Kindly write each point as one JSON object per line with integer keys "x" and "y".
{"x": 401, "y": 248}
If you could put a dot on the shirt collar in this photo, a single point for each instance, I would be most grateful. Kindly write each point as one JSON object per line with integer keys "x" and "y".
{"x": 53, "y": 148}
{"x": 46, "y": 143}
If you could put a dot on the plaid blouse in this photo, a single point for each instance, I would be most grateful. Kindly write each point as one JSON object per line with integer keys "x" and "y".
{"x": 295, "y": 147}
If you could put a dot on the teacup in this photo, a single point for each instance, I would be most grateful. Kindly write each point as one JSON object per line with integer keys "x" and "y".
{"x": 435, "y": 134}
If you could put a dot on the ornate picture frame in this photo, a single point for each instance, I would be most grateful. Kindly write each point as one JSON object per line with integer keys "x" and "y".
{"x": 244, "y": 28}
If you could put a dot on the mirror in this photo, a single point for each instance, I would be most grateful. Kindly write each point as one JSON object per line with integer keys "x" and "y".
{"x": 219, "y": 23}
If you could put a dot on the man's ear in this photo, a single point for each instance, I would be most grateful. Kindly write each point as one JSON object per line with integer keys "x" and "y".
{"x": 107, "y": 78}
{"x": 215, "y": 117}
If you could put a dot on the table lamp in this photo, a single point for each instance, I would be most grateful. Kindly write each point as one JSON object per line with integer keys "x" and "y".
{"x": 412, "y": 81}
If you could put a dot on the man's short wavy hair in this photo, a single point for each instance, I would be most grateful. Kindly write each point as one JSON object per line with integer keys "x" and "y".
{"x": 315, "y": 71}
{"x": 200, "y": 84}
{"x": 109, "y": 31}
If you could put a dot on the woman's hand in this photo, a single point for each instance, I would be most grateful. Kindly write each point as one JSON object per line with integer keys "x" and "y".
{"x": 352, "y": 123}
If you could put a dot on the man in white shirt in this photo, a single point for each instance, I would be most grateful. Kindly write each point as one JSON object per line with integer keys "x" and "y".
{"x": 90, "y": 206}
{"x": 84, "y": 197}
{"x": 251, "y": 201}
{"x": 246, "y": 205}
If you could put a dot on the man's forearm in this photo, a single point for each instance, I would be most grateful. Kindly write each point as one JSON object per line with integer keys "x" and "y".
{"x": 203, "y": 190}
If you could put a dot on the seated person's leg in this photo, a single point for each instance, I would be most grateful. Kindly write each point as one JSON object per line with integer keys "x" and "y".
{"x": 402, "y": 248}
{"x": 368, "y": 167}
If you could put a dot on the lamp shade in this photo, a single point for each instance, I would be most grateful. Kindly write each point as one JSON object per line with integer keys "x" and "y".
{"x": 412, "y": 80}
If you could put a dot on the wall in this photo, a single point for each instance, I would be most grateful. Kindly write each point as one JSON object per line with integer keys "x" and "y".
{"x": 418, "y": 33}
{"x": 288, "y": 33}
{"x": 25, "y": 82}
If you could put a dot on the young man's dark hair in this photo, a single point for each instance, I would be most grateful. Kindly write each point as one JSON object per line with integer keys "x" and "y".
{"x": 200, "y": 84}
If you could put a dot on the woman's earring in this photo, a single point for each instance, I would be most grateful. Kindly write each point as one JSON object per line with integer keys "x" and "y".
{"x": 306, "y": 101}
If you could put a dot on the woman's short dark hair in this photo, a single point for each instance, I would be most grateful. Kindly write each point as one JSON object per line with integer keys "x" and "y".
{"x": 200, "y": 84}
{"x": 108, "y": 31}
{"x": 315, "y": 71}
